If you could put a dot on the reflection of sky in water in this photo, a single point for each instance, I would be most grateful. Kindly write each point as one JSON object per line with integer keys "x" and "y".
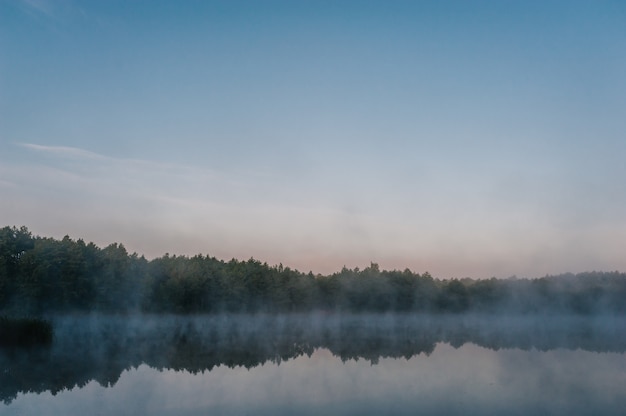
{"x": 467, "y": 380}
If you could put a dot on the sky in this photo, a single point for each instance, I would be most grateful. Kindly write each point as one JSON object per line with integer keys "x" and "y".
{"x": 464, "y": 138}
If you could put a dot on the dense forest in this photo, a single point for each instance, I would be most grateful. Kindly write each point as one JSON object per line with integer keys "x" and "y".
{"x": 40, "y": 275}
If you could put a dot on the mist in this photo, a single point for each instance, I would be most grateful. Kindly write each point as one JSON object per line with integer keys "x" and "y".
{"x": 102, "y": 348}
{"x": 112, "y": 315}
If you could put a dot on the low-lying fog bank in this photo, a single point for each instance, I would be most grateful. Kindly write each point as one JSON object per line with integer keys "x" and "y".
{"x": 100, "y": 347}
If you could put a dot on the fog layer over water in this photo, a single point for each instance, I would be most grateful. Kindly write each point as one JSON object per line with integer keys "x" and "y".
{"x": 312, "y": 364}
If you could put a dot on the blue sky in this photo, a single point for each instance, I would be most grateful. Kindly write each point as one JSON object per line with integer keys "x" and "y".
{"x": 466, "y": 138}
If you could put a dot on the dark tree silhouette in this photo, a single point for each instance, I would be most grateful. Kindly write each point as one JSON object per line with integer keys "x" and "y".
{"x": 40, "y": 275}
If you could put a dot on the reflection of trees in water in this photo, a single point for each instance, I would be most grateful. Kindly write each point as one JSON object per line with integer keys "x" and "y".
{"x": 100, "y": 348}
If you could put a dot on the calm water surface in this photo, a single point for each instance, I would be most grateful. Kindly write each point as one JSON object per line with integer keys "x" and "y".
{"x": 339, "y": 365}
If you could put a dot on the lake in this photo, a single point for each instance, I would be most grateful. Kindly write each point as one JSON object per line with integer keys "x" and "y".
{"x": 320, "y": 364}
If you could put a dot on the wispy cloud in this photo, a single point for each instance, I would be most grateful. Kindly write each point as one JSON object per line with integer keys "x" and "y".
{"x": 157, "y": 179}
{"x": 42, "y": 7}
{"x": 56, "y": 12}
{"x": 64, "y": 151}
{"x": 129, "y": 165}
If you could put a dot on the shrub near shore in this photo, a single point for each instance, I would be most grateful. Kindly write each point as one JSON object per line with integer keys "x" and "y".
{"x": 24, "y": 332}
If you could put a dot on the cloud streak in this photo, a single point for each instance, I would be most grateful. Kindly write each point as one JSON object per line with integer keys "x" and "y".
{"x": 39, "y": 6}
{"x": 64, "y": 151}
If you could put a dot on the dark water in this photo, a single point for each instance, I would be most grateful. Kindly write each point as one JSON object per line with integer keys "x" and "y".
{"x": 320, "y": 364}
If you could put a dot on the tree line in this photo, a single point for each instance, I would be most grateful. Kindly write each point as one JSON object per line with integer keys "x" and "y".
{"x": 40, "y": 275}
